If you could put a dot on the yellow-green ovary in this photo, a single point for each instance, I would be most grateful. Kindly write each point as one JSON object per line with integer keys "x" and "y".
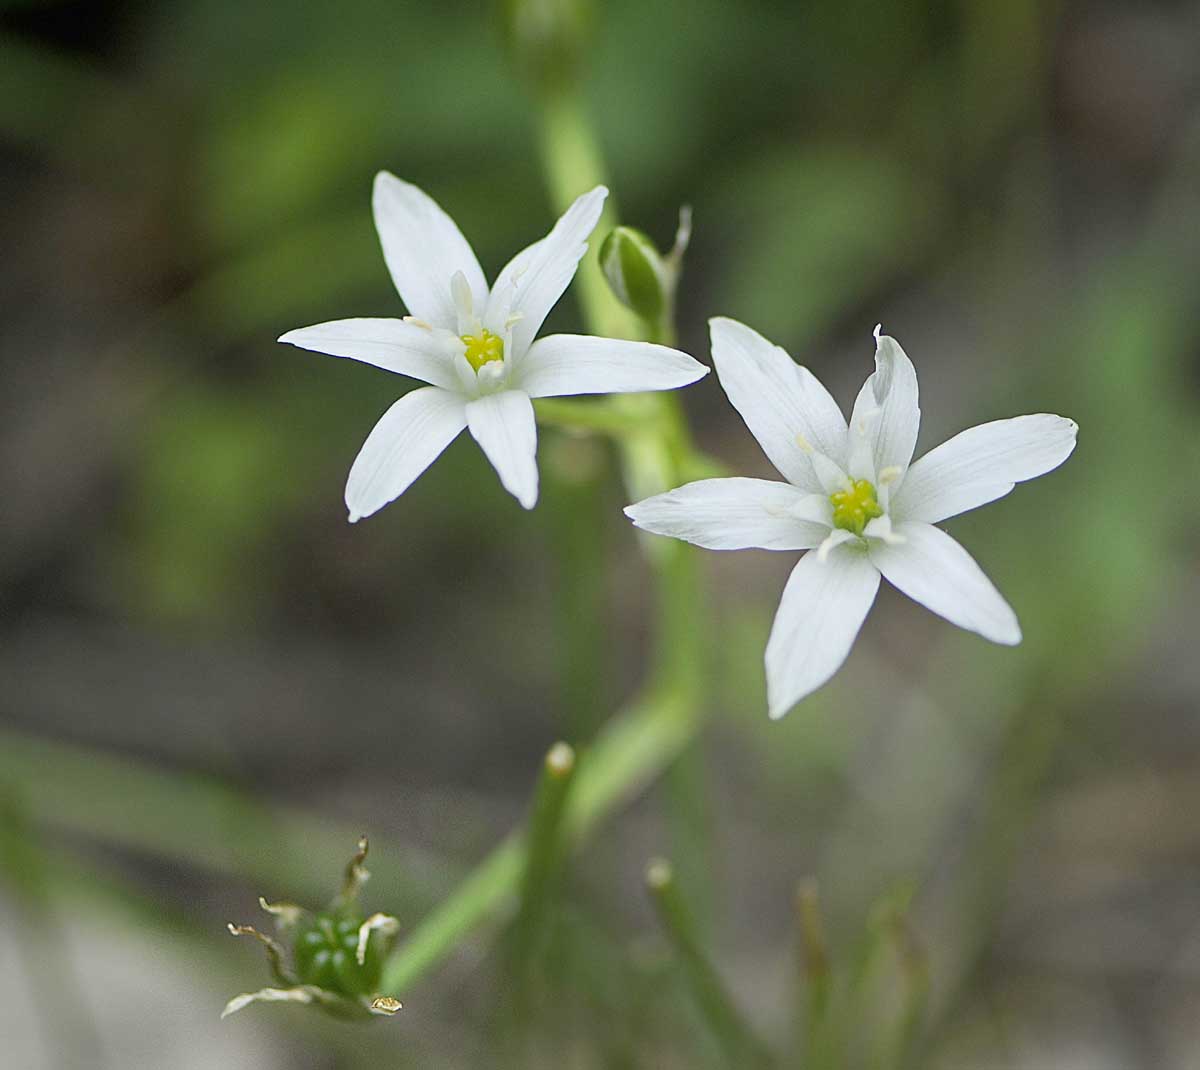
{"x": 483, "y": 348}
{"x": 854, "y": 506}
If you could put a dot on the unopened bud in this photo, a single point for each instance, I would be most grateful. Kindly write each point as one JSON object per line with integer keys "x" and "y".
{"x": 642, "y": 278}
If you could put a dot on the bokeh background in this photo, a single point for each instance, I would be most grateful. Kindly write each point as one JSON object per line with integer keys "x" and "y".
{"x": 210, "y": 682}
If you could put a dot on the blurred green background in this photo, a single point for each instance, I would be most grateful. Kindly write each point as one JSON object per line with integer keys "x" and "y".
{"x": 210, "y": 682}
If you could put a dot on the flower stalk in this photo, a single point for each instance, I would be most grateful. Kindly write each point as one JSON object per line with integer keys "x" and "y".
{"x": 543, "y": 858}
{"x": 738, "y": 1042}
{"x": 816, "y": 978}
{"x": 631, "y": 751}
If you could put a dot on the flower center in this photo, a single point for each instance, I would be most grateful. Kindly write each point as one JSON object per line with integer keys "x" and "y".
{"x": 483, "y": 348}
{"x": 853, "y": 507}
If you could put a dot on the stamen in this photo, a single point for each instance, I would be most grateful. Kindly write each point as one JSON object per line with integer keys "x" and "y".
{"x": 460, "y": 290}
{"x": 385, "y": 923}
{"x": 834, "y": 538}
{"x": 881, "y": 528}
{"x": 286, "y": 914}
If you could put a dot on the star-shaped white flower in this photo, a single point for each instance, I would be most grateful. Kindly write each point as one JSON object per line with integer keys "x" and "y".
{"x": 853, "y": 498}
{"x": 476, "y": 347}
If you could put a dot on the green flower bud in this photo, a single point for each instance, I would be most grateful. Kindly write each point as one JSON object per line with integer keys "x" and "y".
{"x": 642, "y": 278}
{"x": 336, "y": 954}
{"x": 635, "y": 271}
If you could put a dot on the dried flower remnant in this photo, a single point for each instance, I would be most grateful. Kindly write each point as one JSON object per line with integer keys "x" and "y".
{"x": 336, "y": 954}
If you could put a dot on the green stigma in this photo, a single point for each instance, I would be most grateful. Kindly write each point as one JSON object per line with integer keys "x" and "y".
{"x": 852, "y": 508}
{"x": 483, "y": 348}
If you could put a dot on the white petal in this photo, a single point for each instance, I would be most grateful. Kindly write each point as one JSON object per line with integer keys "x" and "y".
{"x": 531, "y": 283}
{"x": 503, "y": 425}
{"x": 406, "y": 441}
{"x": 737, "y": 514}
{"x": 933, "y": 569}
{"x": 394, "y": 345}
{"x": 982, "y": 464}
{"x": 822, "y": 609}
{"x": 299, "y": 994}
{"x": 782, "y": 403}
{"x": 580, "y": 364}
{"x": 423, "y": 248}
{"x": 886, "y": 413}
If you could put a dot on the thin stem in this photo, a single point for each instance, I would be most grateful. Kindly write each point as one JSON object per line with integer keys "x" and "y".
{"x": 737, "y": 1040}
{"x": 573, "y": 164}
{"x": 631, "y": 751}
{"x": 897, "y": 1044}
{"x": 543, "y": 856}
{"x": 575, "y": 473}
{"x": 595, "y": 416}
{"x": 656, "y": 453}
{"x": 639, "y": 743}
{"x": 816, "y": 978}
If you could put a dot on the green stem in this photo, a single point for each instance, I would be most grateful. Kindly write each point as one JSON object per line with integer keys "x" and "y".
{"x": 816, "y": 979}
{"x": 657, "y": 453}
{"x": 737, "y": 1040}
{"x": 575, "y": 474}
{"x": 573, "y": 164}
{"x": 638, "y": 744}
{"x": 899, "y": 1042}
{"x": 542, "y": 858}
{"x": 627, "y": 756}
{"x": 602, "y": 417}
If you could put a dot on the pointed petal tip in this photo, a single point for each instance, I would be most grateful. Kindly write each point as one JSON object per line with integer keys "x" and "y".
{"x": 725, "y": 326}
{"x": 1010, "y": 638}
{"x": 878, "y": 332}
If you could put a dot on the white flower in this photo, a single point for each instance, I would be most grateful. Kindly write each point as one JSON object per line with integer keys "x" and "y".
{"x": 476, "y": 348}
{"x": 853, "y": 498}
